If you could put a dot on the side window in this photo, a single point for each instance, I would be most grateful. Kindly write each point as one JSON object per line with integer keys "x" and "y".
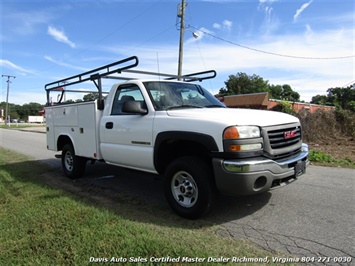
{"x": 127, "y": 92}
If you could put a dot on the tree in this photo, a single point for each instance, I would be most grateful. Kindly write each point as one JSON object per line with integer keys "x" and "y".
{"x": 30, "y": 109}
{"x": 90, "y": 97}
{"x": 342, "y": 98}
{"x": 243, "y": 84}
{"x": 284, "y": 93}
{"x": 320, "y": 99}
{"x": 288, "y": 94}
{"x": 275, "y": 92}
{"x": 22, "y": 111}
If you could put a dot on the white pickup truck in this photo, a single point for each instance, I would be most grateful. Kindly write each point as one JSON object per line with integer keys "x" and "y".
{"x": 176, "y": 129}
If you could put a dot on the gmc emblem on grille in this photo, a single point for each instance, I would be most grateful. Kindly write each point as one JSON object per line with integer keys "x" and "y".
{"x": 290, "y": 134}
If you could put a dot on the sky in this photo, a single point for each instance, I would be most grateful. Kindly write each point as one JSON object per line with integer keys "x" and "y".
{"x": 307, "y": 44}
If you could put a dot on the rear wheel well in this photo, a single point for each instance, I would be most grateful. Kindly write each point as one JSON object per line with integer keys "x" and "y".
{"x": 62, "y": 140}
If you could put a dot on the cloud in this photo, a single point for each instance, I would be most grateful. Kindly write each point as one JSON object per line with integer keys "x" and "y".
{"x": 226, "y": 25}
{"x": 217, "y": 26}
{"x": 64, "y": 64}
{"x": 300, "y": 10}
{"x": 10, "y": 65}
{"x": 267, "y": 1}
{"x": 20, "y": 24}
{"x": 60, "y": 36}
{"x": 271, "y": 21}
{"x": 306, "y": 76}
{"x": 268, "y": 11}
{"x": 262, "y": 3}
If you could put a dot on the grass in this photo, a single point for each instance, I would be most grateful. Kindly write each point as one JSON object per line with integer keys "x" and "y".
{"x": 320, "y": 158}
{"x": 12, "y": 125}
{"x": 42, "y": 225}
{"x": 20, "y": 125}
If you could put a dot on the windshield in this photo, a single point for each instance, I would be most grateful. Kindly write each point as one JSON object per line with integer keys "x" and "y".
{"x": 174, "y": 95}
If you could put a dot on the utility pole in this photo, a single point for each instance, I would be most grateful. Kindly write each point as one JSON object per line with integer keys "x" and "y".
{"x": 7, "y": 96}
{"x": 181, "y": 15}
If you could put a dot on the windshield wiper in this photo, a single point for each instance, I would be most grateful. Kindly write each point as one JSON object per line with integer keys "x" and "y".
{"x": 183, "y": 106}
{"x": 214, "y": 105}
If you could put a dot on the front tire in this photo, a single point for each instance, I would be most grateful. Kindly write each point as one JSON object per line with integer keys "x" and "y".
{"x": 189, "y": 187}
{"x": 73, "y": 166}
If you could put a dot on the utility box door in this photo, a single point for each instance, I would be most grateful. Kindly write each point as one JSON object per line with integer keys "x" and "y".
{"x": 77, "y": 121}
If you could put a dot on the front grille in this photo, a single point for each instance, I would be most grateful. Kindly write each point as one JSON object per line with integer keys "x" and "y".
{"x": 285, "y": 137}
{"x": 281, "y": 156}
{"x": 282, "y": 141}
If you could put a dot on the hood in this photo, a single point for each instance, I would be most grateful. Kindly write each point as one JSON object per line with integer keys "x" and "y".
{"x": 235, "y": 116}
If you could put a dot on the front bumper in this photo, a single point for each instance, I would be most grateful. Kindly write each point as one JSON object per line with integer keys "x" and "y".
{"x": 255, "y": 175}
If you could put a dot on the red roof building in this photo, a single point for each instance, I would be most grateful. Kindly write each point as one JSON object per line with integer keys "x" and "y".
{"x": 261, "y": 101}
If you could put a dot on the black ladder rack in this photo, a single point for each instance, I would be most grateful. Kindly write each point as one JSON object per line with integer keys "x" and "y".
{"x": 110, "y": 71}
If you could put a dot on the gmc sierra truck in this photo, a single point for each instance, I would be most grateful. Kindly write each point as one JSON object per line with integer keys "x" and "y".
{"x": 173, "y": 127}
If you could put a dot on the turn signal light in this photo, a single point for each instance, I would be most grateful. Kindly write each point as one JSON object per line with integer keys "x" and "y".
{"x": 245, "y": 147}
{"x": 231, "y": 133}
{"x": 234, "y": 148}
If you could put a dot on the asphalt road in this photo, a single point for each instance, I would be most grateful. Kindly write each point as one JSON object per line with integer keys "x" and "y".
{"x": 313, "y": 218}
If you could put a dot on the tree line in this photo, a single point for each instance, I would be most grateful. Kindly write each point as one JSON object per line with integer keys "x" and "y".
{"x": 342, "y": 98}
{"x": 22, "y": 112}
{"x": 241, "y": 83}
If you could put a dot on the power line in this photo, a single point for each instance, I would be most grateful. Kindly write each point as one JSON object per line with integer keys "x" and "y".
{"x": 272, "y": 53}
{"x": 152, "y": 38}
{"x": 351, "y": 83}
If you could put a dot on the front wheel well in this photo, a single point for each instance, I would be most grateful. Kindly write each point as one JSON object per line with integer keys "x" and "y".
{"x": 172, "y": 149}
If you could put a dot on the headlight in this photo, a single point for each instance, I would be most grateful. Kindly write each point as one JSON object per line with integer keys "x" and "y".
{"x": 241, "y": 132}
{"x": 242, "y": 138}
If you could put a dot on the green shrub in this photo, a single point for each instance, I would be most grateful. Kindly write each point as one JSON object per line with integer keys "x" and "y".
{"x": 320, "y": 157}
{"x": 285, "y": 107}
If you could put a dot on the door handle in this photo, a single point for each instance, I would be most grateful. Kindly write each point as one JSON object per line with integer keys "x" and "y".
{"x": 109, "y": 125}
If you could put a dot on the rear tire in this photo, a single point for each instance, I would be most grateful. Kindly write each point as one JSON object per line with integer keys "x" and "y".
{"x": 189, "y": 187}
{"x": 73, "y": 166}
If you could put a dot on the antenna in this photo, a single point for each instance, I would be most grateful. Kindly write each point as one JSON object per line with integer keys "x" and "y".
{"x": 158, "y": 64}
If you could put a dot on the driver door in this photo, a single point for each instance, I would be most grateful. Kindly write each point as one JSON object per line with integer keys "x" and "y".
{"x": 126, "y": 139}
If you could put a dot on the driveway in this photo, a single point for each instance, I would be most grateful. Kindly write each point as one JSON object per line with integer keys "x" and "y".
{"x": 313, "y": 218}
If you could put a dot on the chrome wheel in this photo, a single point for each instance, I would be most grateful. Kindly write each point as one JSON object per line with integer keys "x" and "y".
{"x": 184, "y": 189}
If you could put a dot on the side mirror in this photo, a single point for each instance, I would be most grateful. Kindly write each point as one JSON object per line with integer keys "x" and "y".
{"x": 133, "y": 107}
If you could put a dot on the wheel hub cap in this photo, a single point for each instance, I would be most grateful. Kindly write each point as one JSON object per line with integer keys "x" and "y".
{"x": 68, "y": 161}
{"x": 184, "y": 189}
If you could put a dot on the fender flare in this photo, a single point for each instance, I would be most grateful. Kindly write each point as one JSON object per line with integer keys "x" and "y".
{"x": 204, "y": 140}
